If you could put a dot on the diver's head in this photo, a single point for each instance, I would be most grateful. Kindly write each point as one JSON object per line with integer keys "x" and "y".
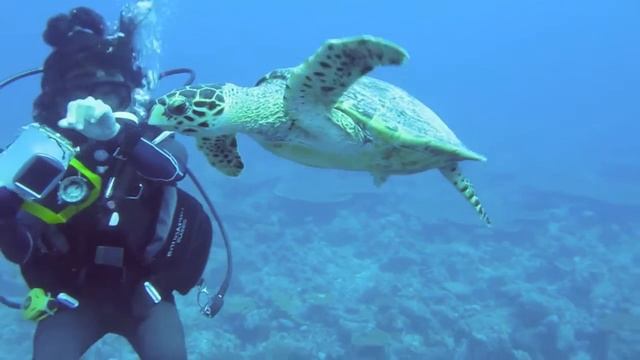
{"x": 85, "y": 62}
{"x": 81, "y": 19}
{"x": 108, "y": 85}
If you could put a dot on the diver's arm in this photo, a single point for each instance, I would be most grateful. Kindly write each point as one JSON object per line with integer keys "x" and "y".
{"x": 167, "y": 143}
{"x": 159, "y": 159}
{"x": 157, "y": 162}
{"x": 96, "y": 120}
{"x": 16, "y": 242}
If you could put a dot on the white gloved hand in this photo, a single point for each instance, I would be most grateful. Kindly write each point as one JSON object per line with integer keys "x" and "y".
{"x": 92, "y": 118}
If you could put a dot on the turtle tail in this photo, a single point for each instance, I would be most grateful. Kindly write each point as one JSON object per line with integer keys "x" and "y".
{"x": 454, "y": 175}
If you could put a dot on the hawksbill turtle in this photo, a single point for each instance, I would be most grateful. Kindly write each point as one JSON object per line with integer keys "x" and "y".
{"x": 323, "y": 113}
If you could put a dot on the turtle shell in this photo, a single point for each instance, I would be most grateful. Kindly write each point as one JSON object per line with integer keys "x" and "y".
{"x": 390, "y": 113}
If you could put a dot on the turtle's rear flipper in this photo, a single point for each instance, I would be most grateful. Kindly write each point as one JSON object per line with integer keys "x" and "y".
{"x": 453, "y": 174}
{"x": 316, "y": 85}
{"x": 379, "y": 178}
{"x": 222, "y": 152}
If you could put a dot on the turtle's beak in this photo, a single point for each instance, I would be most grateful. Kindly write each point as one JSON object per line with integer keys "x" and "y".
{"x": 157, "y": 116}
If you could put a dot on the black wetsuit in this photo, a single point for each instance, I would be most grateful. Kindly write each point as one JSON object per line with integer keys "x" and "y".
{"x": 163, "y": 235}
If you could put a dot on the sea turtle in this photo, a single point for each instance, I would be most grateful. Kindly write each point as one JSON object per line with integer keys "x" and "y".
{"x": 323, "y": 113}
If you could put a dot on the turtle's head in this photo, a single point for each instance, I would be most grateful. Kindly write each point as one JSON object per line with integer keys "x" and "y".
{"x": 191, "y": 110}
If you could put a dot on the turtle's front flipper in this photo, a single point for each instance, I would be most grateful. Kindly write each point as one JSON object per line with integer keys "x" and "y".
{"x": 222, "y": 152}
{"x": 453, "y": 174}
{"x": 316, "y": 85}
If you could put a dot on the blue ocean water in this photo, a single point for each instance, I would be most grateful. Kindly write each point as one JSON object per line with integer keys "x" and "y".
{"x": 328, "y": 266}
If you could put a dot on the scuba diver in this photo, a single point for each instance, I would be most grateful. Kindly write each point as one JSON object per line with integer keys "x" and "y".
{"x": 98, "y": 226}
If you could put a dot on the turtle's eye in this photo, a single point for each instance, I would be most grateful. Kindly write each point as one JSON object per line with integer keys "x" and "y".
{"x": 178, "y": 106}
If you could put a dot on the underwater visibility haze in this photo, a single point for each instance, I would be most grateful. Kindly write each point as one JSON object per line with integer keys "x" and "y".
{"x": 330, "y": 266}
